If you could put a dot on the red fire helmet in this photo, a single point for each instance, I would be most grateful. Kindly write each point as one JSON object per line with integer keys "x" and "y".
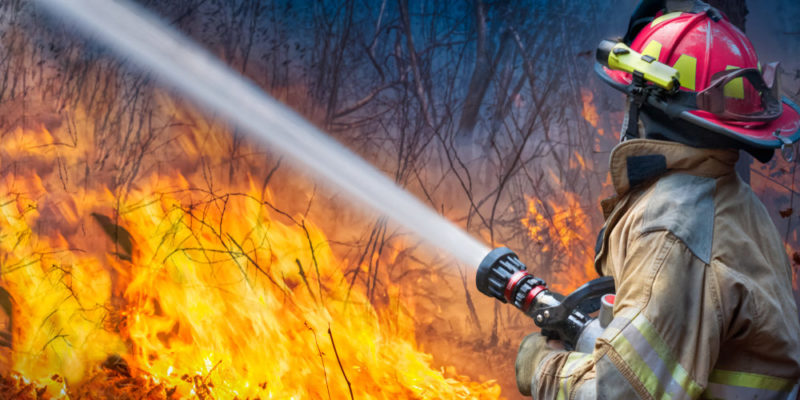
{"x": 723, "y": 87}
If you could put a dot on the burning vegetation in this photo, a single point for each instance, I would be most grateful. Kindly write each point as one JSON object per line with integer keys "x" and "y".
{"x": 176, "y": 291}
{"x": 573, "y": 246}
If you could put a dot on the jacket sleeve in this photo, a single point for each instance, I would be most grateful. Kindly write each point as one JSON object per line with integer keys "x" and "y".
{"x": 665, "y": 335}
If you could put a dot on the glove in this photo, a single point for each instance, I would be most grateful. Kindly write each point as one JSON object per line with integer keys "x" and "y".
{"x": 532, "y": 351}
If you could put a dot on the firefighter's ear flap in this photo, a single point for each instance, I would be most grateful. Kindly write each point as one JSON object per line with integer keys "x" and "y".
{"x": 645, "y": 13}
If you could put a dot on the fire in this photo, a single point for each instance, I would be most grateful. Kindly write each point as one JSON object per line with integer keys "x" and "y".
{"x": 794, "y": 261}
{"x": 175, "y": 290}
{"x": 589, "y": 111}
{"x": 578, "y": 162}
{"x": 563, "y": 231}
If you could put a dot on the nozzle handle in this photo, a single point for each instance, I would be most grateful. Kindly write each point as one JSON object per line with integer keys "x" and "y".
{"x": 503, "y": 276}
{"x": 585, "y": 299}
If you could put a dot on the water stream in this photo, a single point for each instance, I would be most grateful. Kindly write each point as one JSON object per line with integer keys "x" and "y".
{"x": 180, "y": 63}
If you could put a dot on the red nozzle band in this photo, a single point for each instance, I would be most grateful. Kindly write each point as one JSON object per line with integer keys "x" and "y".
{"x": 512, "y": 283}
{"x": 532, "y": 295}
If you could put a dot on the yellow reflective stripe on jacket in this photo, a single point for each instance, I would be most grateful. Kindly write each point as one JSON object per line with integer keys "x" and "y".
{"x": 746, "y": 385}
{"x": 651, "y": 360}
{"x": 574, "y": 359}
{"x": 751, "y": 380}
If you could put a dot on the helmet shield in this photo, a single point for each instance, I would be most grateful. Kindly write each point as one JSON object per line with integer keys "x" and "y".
{"x": 742, "y": 95}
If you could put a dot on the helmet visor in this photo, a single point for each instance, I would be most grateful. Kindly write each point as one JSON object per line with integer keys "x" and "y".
{"x": 743, "y": 95}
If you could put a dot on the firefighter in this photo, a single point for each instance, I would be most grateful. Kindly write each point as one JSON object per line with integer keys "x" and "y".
{"x": 704, "y": 305}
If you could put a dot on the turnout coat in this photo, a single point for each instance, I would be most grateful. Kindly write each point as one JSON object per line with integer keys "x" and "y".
{"x": 704, "y": 305}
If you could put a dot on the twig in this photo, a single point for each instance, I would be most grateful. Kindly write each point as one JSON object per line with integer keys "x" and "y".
{"x": 255, "y": 264}
{"x": 339, "y": 360}
{"x": 473, "y": 313}
{"x": 208, "y": 375}
{"x": 303, "y": 275}
{"x": 313, "y": 259}
{"x": 321, "y": 359}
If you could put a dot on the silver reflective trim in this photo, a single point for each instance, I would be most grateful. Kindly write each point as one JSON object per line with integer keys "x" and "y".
{"x": 666, "y": 383}
{"x": 618, "y": 323}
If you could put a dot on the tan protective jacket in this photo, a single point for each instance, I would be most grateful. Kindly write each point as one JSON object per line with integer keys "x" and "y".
{"x": 704, "y": 305}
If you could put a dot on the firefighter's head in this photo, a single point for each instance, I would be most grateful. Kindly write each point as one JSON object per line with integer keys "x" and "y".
{"x": 722, "y": 96}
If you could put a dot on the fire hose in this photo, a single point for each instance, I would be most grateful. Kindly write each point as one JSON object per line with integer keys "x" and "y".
{"x": 503, "y": 276}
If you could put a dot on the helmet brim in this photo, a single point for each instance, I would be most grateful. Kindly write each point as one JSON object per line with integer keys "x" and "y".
{"x": 774, "y": 134}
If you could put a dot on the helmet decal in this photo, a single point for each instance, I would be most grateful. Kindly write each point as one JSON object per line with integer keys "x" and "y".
{"x": 687, "y": 70}
{"x": 653, "y": 49}
{"x": 665, "y": 18}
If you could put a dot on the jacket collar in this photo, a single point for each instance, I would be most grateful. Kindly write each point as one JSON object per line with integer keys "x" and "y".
{"x": 640, "y": 160}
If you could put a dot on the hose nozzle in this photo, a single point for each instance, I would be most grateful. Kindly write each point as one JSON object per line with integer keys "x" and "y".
{"x": 503, "y": 276}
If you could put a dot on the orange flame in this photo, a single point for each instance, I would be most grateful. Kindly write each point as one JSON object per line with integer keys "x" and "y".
{"x": 200, "y": 293}
{"x": 589, "y": 111}
{"x": 564, "y": 233}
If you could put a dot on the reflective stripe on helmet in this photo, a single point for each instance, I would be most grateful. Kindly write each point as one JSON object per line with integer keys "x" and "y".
{"x": 651, "y": 360}
{"x": 665, "y": 17}
{"x": 687, "y": 71}
{"x": 653, "y": 49}
{"x": 574, "y": 360}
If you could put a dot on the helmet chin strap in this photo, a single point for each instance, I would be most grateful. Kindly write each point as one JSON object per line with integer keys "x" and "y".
{"x": 635, "y": 101}
{"x": 626, "y": 123}
{"x": 630, "y": 125}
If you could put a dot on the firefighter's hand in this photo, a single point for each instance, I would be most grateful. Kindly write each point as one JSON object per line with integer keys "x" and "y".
{"x": 533, "y": 349}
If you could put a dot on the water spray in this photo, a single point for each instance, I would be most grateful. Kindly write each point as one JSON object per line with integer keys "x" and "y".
{"x": 180, "y": 63}
{"x": 503, "y": 276}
